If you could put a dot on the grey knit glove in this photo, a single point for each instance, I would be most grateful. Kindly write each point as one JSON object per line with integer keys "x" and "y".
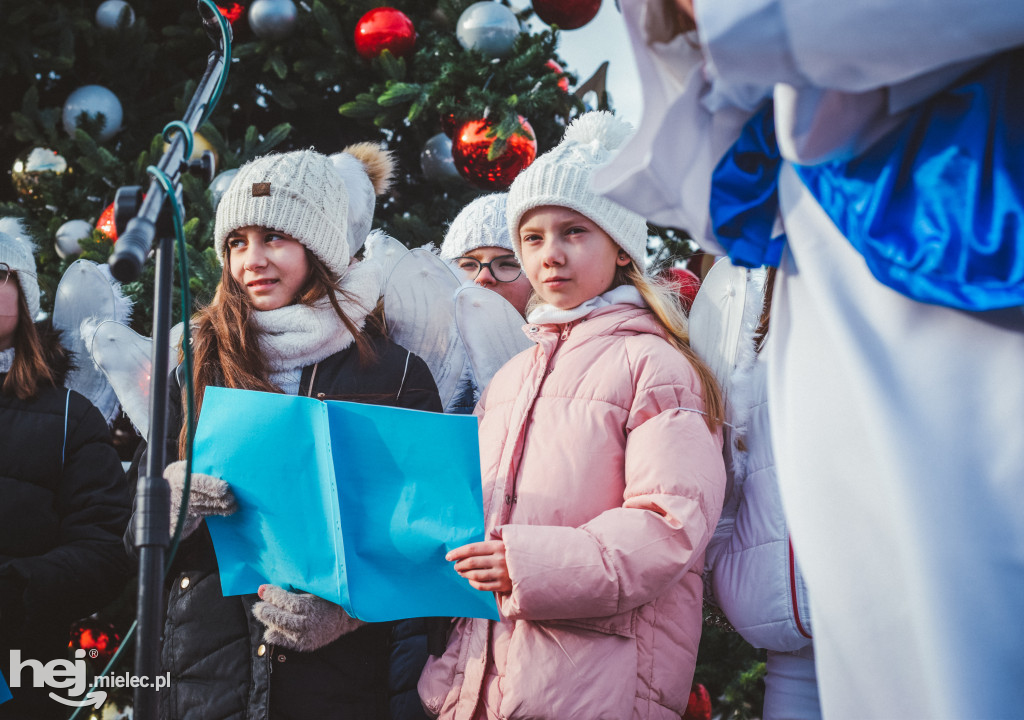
{"x": 300, "y": 621}
{"x": 208, "y": 495}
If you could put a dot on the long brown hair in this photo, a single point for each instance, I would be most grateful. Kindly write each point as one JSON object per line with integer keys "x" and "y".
{"x": 226, "y": 344}
{"x": 30, "y": 369}
{"x": 663, "y": 300}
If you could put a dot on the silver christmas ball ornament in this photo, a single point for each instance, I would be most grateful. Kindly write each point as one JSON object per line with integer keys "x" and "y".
{"x": 273, "y": 19}
{"x": 436, "y": 159}
{"x": 108, "y": 14}
{"x": 220, "y": 184}
{"x": 93, "y": 100}
{"x": 69, "y": 235}
{"x": 488, "y": 27}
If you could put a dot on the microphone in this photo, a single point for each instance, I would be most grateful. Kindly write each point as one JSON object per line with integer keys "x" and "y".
{"x": 132, "y": 249}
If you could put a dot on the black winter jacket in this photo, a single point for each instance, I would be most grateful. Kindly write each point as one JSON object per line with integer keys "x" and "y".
{"x": 213, "y": 647}
{"x": 64, "y": 506}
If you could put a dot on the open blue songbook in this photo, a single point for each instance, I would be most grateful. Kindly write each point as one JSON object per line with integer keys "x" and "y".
{"x": 357, "y": 504}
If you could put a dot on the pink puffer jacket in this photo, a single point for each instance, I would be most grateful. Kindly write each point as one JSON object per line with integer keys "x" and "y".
{"x": 605, "y": 483}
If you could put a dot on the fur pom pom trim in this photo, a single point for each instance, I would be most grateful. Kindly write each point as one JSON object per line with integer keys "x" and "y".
{"x": 378, "y": 163}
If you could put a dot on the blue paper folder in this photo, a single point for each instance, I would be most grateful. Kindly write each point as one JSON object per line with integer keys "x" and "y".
{"x": 357, "y": 504}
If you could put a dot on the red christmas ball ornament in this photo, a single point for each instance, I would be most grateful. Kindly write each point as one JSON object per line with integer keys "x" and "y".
{"x": 100, "y": 640}
{"x": 688, "y": 284}
{"x": 470, "y": 146}
{"x": 699, "y": 706}
{"x": 563, "y": 82}
{"x": 232, "y": 13}
{"x": 384, "y": 28}
{"x": 566, "y": 14}
{"x": 106, "y": 223}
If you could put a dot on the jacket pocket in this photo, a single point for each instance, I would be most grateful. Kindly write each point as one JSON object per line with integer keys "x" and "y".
{"x": 583, "y": 668}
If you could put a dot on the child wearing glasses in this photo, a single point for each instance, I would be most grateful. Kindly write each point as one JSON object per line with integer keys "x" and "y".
{"x": 601, "y": 457}
{"x": 65, "y": 502}
{"x": 478, "y": 244}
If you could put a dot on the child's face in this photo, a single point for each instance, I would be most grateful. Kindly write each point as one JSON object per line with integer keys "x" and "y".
{"x": 495, "y": 277}
{"x": 568, "y": 258}
{"x": 270, "y": 265}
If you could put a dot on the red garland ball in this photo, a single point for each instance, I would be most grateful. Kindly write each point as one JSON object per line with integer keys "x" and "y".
{"x": 106, "y": 223}
{"x": 231, "y": 14}
{"x": 566, "y": 14}
{"x": 100, "y": 640}
{"x": 688, "y": 284}
{"x": 383, "y": 29}
{"x": 699, "y": 706}
{"x": 563, "y": 82}
{"x": 469, "y": 151}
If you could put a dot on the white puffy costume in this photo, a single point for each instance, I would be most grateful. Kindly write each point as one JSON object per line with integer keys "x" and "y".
{"x": 898, "y": 425}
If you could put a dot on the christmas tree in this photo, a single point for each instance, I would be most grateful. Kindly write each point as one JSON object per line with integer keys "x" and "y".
{"x": 463, "y": 101}
{"x": 90, "y": 90}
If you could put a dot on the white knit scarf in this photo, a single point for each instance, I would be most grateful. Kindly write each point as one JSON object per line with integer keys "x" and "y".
{"x": 298, "y": 335}
{"x": 6, "y": 359}
{"x": 550, "y": 315}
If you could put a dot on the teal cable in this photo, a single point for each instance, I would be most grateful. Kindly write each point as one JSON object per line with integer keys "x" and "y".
{"x": 225, "y": 32}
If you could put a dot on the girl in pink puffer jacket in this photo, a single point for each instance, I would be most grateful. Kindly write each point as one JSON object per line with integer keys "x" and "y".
{"x": 601, "y": 455}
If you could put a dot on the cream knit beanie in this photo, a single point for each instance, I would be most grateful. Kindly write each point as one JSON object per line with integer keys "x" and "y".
{"x": 562, "y": 175}
{"x": 16, "y": 251}
{"x": 480, "y": 224}
{"x": 299, "y": 193}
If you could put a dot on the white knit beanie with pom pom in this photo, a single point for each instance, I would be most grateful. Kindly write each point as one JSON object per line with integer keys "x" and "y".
{"x": 16, "y": 251}
{"x": 480, "y": 224}
{"x": 366, "y": 169}
{"x": 562, "y": 175}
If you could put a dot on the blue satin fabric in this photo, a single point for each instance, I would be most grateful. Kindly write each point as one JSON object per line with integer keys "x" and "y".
{"x": 745, "y": 194}
{"x": 937, "y": 207}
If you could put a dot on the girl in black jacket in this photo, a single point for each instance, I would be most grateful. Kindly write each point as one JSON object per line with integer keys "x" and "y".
{"x": 63, "y": 498}
{"x": 291, "y": 314}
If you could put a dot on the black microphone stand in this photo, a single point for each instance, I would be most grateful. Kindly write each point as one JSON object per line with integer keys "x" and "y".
{"x": 153, "y": 496}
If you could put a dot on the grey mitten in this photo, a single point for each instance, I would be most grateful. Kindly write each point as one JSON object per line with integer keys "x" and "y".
{"x": 300, "y": 621}
{"x": 208, "y": 495}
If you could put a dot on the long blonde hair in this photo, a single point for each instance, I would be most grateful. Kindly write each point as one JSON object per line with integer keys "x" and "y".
{"x": 663, "y": 300}
{"x": 226, "y": 343}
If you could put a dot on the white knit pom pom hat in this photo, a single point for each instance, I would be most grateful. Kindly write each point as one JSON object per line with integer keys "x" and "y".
{"x": 16, "y": 251}
{"x": 480, "y": 224}
{"x": 298, "y": 193}
{"x": 561, "y": 177}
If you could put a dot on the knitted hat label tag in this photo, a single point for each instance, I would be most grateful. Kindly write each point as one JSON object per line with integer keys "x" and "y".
{"x": 261, "y": 189}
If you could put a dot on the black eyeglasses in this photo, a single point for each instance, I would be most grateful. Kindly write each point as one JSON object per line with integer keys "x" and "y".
{"x": 504, "y": 268}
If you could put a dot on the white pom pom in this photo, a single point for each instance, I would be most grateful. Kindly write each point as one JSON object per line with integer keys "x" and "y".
{"x": 609, "y": 131}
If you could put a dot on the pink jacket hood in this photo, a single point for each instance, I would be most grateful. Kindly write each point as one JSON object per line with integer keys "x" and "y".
{"x": 605, "y": 483}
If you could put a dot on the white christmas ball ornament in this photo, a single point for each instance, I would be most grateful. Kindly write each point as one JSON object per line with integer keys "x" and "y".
{"x": 93, "y": 100}
{"x": 109, "y": 12}
{"x": 272, "y": 19}
{"x": 488, "y": 27}
{"x": 436, "y": 159}
{"x": 69, "y": 235}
